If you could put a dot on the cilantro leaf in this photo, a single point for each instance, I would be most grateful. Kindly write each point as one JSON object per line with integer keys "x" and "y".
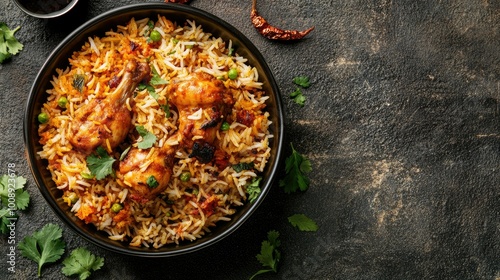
{"x": 100, "y": 164}
{"x": 22, "y": 199}
{"x": 16, "y": 183}
{"x": 148, "y": 138}
{"x": 81, "y": 262}
{"x": 296, "y": 166}
{"x": 302, "y": 222}
{"x": 166, "y": 109}
{"x": 124, "y": 153}
{"x": 9, "y": 45}
{"x": 44, "y": 246}
{"x": 302, "y": 81}
{"x": 157, "y": 80}
{"x": 151, "y": 90}
{"x": 269, "y": 254}
{"x": 298, "y": 97}
{"x": 4, "y": 56}
{"x": 253, "y": 190}
{"x": 151, "y": 182}
{"x": 6, "y": 218}
{"x": 13, "y": 185}
{"x": 78, "y": 82}
{"x": 243, "y": 166}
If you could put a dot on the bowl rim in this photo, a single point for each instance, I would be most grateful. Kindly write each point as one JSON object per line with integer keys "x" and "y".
{"x": 168, "y": 250}
{"x": 55, "y": 14}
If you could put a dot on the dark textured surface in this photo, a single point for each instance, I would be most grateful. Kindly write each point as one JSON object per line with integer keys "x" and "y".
{"x": 401, "y": 125}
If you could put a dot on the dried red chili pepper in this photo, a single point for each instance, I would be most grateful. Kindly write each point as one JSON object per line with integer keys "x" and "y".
{"x": 177, "y": 1}
{"x": 272, "y": 32}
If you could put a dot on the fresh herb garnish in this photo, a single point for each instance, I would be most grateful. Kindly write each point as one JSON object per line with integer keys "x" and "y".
{"x": 150, "y": 89}
{"x": 22, "y": 198}
{"x": 81, "y": 262}
{"x": 148, "y": 138}
{"x": 86, "y": 175}
{"x": 44, "y": 246}
{"x": 269, "y": 254}
{"x": 124, "y": 153}
{"x": 243, "y": 166}
{"x": 16, "y": 184}
{"x": 166, "y": 109}
{"x": 302, "y": 222}
{"x": 296, "y": 166}
{"x": 156, "y": 79}
{"x": 100, "y": 164}
{"x": 253, "y": 190}
{"x": 151, "y": 24}
{"x": 78, "y": 82}
{"x": 9, "y": 45}
{"x": 151, "y": 182}
{"x": 302, "y": 81}
{"x": 298, "y": 97}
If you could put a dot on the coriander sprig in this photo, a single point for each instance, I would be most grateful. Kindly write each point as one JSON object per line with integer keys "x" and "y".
{"x": 269, "y": 254}
{"x": 296, "y": 167}
{"x": 297, "y": 95}
{"x": 44, "y": 246}
{"x": 9, "y": 45}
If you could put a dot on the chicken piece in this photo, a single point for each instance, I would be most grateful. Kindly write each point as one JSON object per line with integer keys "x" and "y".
{"x": 107, "y": 119}
{"x": 197, "y": 129}
{"x": 140, "y": 182}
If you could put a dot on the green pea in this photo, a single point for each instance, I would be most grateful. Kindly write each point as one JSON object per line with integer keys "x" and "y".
{"x": 73, "y": 197}
{"x": 43, "y": 117}
{"x": 225, "y": 126}
{"x": 232, "y": 74}
{"x": 62, "y": 102}
{"x": 155, "y": 36}
{"x": 185, "y": 176}
{"x": 116, "y": 207}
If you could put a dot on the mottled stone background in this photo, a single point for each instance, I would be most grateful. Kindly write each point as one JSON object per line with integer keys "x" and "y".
{"x": 401, "y": 125}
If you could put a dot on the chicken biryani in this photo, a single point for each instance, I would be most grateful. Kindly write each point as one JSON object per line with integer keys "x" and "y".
{"x": 155, "y": 132}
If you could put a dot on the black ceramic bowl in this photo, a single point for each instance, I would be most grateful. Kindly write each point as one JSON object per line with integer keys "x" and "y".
{"x": 97, "y": 26}
{"x": 44, "y": 8}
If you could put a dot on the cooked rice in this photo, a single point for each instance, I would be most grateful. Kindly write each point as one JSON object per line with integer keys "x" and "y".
{"x": 177, "y": 214}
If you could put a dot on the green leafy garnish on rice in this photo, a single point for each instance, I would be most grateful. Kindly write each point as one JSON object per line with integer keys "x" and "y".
{"x": 9, "y": 45}
{"x": 269, "y": 254}
{"x": 156, "y": 80}
{"x": 253, "y": 190}
{"x": 151, "y": 182}
{"x": 78, "y": 82}
{"x": 81, "y": 262}
{"x": 148, "y": 138}
{"x": 243, "y": 166}
{"x": 100, "y": 164}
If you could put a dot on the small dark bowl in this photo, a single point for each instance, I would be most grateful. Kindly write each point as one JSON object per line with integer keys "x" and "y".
{"x": 97, "y": 26}
{"x": 45, "y": 10}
